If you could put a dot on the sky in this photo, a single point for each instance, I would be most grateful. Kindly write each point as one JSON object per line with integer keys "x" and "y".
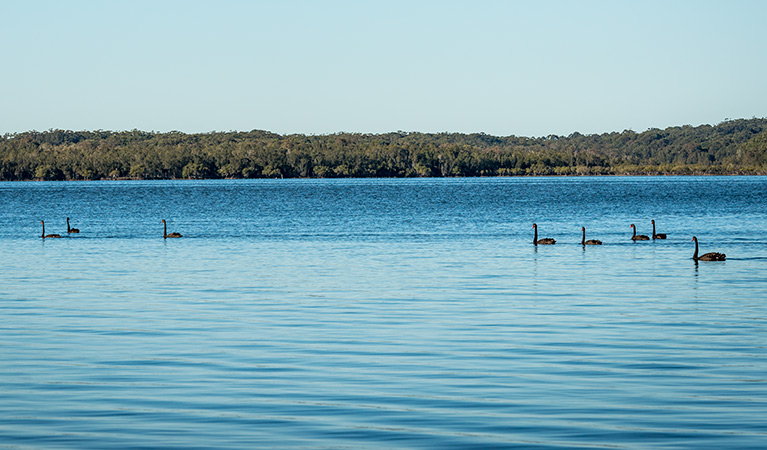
{"x": 524, "y": 68}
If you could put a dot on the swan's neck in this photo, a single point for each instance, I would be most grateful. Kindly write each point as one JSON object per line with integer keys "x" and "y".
{"x": 164, "y": 230}
{"x": 43, "y": 223}
{"x": 635, "y": 231}
{"x": 653, "y": 228}
{"x": 583, "y": 240}
{"x": 535, "y": 236}
{"x": 68, "y": 224}
{"x": 695, "y": 255}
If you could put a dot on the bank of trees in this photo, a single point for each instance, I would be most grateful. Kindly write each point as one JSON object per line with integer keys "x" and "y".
{"x": 731, "y": 147}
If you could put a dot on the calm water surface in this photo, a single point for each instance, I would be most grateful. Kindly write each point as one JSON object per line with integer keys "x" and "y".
{"x": 383, "y": 314}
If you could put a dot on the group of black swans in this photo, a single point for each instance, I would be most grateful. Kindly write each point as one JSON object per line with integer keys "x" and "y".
{"x": 165, "y": 233}
{"x": 712, "y": 256}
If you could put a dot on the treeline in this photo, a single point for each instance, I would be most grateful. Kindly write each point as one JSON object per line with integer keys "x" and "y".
{"x": 731, "y": 147}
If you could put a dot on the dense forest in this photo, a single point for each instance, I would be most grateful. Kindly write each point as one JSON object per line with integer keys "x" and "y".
{"x": 731, "y": 147}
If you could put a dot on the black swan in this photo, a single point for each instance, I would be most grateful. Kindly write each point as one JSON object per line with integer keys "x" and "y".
{"x": 654, "y": 235}
{"x": 165, "y": 234}
{"x": 71, "y": 230}
{"x": 48, "y": 235}
{"x": 638, "y": 237}
{"x": 543, "y": 241}
{"x": 713, "y": 256}
{"x": 590, "y": 241}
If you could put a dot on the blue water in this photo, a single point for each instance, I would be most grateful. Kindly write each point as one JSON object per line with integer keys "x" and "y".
{"x": 383, "y": 313}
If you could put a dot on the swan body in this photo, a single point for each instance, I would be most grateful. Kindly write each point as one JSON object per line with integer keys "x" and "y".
{"x": 638, "y": 237}
{"x": 544, "y": 241}
{"x": 71, "y": 230}
{"x": 165, "y": 234}
{"x": 44, "y": 236}
{"x": 654, "y": 235}
{"x": 713, "y": 256}
{"x": 590, "y": 241}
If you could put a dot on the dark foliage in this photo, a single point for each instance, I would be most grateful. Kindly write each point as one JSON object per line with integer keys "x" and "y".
{"x": 731, "y": 147}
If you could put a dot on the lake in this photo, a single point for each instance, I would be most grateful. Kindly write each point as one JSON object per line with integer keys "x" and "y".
{"x": 383, "y": 313}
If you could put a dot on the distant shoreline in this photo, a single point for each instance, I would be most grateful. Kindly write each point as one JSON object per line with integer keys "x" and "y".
{"x": 397, "y": 178}
{"x": 734, "y": 147}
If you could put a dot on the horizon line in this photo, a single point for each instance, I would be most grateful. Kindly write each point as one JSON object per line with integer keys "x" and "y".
{"x": 725, "y": 120}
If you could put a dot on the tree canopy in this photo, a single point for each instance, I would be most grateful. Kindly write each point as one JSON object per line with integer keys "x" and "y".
{"x": 731, "y": 147}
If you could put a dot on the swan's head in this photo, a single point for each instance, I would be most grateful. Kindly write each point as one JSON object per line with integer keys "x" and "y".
{"x": 535, "y": 225}
{"x": 632, "y": 226}
{"x": 652, "y": 221}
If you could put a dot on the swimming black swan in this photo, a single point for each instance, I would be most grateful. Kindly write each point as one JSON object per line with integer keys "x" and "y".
{"x": 638, "y": 237}
{"x": 713, "y": 256}
{"x": 654, "y": 235}
{"x": 590, "y": 241}
{"x": 165, "y": 234}
{"x": 48, "y": 235}
{"x": 543, "y": 241}
{"x": 71, "y": 230}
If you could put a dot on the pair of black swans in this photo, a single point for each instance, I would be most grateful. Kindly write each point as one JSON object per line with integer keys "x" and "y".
{"x": 165, "y": 233}
{"x": 69, "y": 230}
{"x": 713, "y": 256}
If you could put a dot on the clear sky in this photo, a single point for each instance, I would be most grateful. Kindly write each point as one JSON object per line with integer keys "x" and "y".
{"x": 526, "y": 68}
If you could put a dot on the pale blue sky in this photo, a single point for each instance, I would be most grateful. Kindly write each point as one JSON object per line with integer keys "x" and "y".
{"x": 527, "y": 68}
